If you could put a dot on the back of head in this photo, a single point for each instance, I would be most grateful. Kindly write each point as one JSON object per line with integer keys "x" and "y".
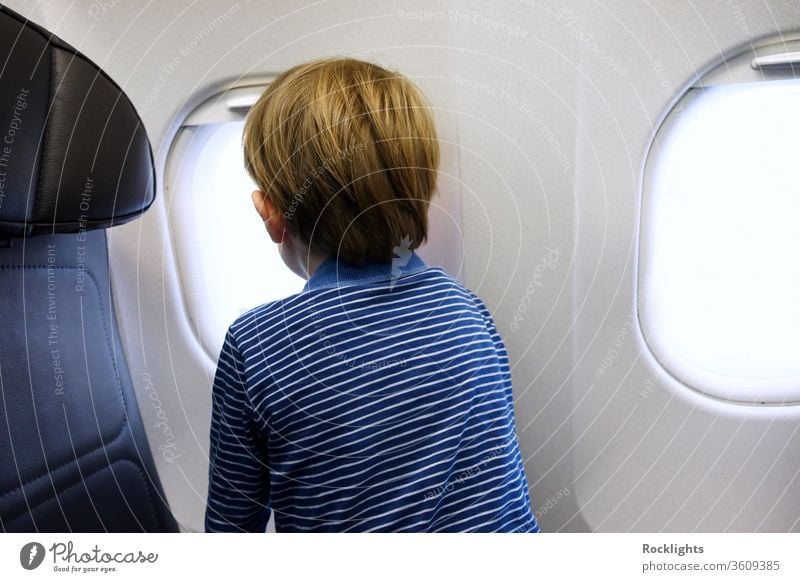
{"x": 348, "y": 152}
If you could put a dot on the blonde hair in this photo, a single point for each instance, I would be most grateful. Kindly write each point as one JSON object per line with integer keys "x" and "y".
{"x": 348, "y": 152}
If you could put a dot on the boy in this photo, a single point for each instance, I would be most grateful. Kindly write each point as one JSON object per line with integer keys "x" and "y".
{"x": 378, "y": 398}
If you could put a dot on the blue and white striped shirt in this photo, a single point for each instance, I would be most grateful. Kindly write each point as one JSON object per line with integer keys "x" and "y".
{"x": 377, "y": 399}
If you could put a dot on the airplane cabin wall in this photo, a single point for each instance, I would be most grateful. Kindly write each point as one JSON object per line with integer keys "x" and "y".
{"x": 553, "y": 106}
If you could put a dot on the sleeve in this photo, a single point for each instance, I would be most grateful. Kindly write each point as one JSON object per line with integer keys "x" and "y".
{"x": 238, "y": 473}
{"x": 500, "y": 347}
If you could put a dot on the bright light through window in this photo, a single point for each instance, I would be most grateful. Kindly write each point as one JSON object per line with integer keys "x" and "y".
{"x": 228, "y": 263}
{"x": 720, "y": 270}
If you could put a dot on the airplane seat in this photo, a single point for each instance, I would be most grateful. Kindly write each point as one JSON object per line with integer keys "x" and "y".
{"x": 74, "y": 161}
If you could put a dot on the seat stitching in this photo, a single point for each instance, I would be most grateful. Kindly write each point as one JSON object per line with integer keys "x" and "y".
{"x": 93, "y": 473}
{"x": 116, "y": 373}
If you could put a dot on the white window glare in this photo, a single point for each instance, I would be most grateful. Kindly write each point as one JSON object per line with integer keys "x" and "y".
{"x": 719, "y": 272}
{"x": 226, "y": 260}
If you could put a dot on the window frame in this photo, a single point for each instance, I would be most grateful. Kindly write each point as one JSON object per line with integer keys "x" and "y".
{"x": 197, "y": 126}
{"x": 743, "y": 68}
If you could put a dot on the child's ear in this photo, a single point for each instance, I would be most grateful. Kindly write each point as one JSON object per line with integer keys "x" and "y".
{"x": 271, "y": 217}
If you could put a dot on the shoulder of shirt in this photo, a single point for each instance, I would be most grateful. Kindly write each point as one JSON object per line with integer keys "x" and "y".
{"x": 250, "y": 317}
{"x": 267, "y": 310}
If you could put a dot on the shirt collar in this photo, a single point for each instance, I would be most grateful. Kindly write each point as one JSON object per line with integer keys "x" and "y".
{"x": 334, "y": 272}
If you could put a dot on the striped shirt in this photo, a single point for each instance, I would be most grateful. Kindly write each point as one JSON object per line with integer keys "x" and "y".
{"x": 377, "y": 399}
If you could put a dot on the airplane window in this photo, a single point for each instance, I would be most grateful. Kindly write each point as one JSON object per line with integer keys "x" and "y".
{"x": 226, "y": 261}
{"x": 719, "y": 276}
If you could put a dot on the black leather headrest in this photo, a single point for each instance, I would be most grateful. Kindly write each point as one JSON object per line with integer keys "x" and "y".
{"x": 73, "y": 151}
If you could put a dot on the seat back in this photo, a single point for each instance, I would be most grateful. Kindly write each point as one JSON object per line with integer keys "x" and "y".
{"x": 74, "y": 161}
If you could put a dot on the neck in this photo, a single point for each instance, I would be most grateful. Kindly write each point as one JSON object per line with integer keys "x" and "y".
{"x": 312, "y": 263}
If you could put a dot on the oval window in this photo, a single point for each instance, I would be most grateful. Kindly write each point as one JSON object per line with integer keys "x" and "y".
{"x": 226, "y": 261}
{"x": 719, "y": 275}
